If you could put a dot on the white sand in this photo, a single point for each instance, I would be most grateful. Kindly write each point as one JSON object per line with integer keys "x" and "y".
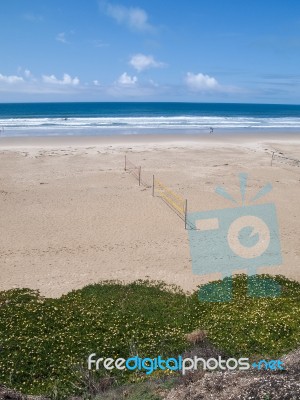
{"x": 70, "y": 215}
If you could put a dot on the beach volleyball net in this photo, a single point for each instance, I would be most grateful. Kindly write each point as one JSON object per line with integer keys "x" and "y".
{"x": 174, "y": 200}
{"x": 133, "y": 169}
{"x": 280, "y": 158}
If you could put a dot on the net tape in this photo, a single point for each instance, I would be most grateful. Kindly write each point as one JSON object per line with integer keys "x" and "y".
{"x": 133, "y": 169}
{"x": 173, "y": 199}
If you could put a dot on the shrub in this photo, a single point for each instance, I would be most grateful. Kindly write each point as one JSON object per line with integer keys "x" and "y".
{"x": 45, "y": 342}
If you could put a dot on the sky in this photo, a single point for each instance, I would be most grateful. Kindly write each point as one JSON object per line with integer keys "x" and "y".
{"x": 150, "y": 50}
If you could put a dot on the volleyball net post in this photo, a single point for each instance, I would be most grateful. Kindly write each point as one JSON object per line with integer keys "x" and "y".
{"x": 140, "y": 172}
{"x": 153, "y": 185}
{"x": 185, "y": 214}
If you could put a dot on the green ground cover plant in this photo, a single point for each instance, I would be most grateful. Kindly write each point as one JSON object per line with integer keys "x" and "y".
{"x": 44, "y": 343}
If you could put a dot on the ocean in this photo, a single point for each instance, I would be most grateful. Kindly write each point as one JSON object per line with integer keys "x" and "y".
{"x": 53, "y": 119}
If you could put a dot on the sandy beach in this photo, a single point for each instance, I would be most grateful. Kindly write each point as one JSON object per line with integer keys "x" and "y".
{"x": 70, "y": 215}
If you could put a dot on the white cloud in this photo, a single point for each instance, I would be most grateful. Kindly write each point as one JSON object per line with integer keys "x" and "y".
{"x": 33, "y": 17}
{"x": 11, "y": 79}
{"x": 96, "y": 82}
{"x": 99, "y": 43}
{"x": 201, "y": 82}
{"x": 141, "y": 62}
{"x": 27, "y": 73}
{"x": 67, "y": 80}
{"x": 127, "y": 80}
{"x": 134, "y": 17}
{"x": 25, "y": 83}
{"x": 61, "y": 37}
{"x": 151, "y": 81}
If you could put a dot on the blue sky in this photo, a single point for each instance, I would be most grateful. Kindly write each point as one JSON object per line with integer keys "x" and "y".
{"x": 150, "y": 50}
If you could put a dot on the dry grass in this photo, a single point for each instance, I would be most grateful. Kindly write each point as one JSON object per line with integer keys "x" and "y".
{"x": 196, "y": 337}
